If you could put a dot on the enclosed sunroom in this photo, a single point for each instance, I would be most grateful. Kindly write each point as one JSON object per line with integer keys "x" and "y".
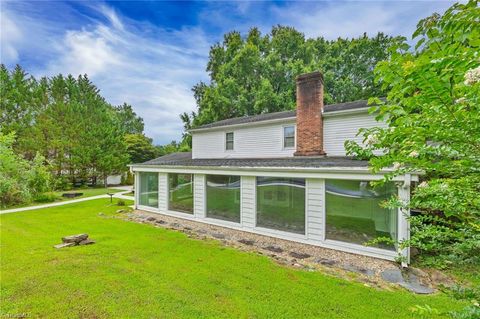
{"x": 321, "y": 201}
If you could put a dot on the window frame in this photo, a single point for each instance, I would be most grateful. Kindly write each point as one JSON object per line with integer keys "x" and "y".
{"x": 227, "y": 141}
{"x": 205, "y": 200}
{"x": 352, "y": 245}
{"x": 281, "y": 232}
{"x": 168, "y": 188}
{"x": 139, "y": 193}
{"x": 294, "y": 137}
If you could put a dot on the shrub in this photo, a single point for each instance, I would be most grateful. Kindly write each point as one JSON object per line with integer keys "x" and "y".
{"x": 15, "y": 174}
{"x": 127, "y": 179}
{"x": 432, "y": 111}
{"x": 61, "y": 183}
{"x": 121, "y": 202}
{"x": 46, "y": 197}
{"x": 39, "y": 178}
{"x": 469, "y": 312}
{"x": 464, "y": 293}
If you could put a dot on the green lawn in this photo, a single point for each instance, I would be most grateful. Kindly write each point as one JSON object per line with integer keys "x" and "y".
{"x": 87, "y": 192}
{"x": 139, "y": 271}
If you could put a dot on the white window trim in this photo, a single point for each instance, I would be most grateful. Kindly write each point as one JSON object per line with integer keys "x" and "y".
{"x": 205, "y": 198}
{"x": 136, "y": 189}
{"x": 168, "y": 195}
{"x": 225, "y": 141}
{"x": 263, "y": 229}
{"x": 294, "y": 137}
{"x": 344, "y": 244}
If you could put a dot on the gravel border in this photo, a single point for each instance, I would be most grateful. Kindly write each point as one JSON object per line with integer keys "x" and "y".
{"x": 290, "y": 253}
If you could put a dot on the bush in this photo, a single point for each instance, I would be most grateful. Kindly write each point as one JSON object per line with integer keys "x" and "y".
{"x": 433, "y": 115}
{"x": 444, "y": 242}
{"x": 39, "y": 178}
{"x": 464, "y": 293}
{"x": 127, "y": 179}
{"x": 469, "y": 312}
{"x": 13, "y": 188}
{"x": 121, "y": 202}
{"x": 46, "y": 197}
{"x": 62, "y": 183}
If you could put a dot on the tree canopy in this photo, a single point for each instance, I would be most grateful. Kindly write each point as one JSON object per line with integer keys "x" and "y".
{"x": 256, "y": 73}
{"x": 140, "y": 148}
{"x": 68, "y": 122}
{"x": 433, "y": 115}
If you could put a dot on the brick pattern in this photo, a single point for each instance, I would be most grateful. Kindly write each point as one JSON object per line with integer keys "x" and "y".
{"x": 309, "y": 115}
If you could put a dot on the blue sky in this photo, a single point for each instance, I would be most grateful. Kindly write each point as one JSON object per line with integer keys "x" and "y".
{"x": 150, "y": 53}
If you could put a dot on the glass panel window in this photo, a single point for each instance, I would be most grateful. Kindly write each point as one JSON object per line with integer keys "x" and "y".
{"x": 223, "y": 197}
{"x": 148, "y": 191}
{"x": 289, "y": 136}
{"x": 229, "y": 141}
{"x": 281, "y": 204}
{"x": 180, "y": 196}
{"x": 354, "y": 214}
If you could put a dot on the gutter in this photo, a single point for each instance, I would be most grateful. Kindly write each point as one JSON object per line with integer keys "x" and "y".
{"x": 332, "y": 169}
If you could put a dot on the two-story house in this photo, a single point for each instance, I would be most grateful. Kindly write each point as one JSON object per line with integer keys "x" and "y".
{"x": 283, "y": 175}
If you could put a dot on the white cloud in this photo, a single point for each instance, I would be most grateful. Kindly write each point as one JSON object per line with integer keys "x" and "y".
{"x": 84, "y": 52}
{"x": 112, "y": 16}
{"x": 352, "y": 18}
{"x": 10, "y": 36}
{"x": 149, "y": 67}
{"x": 153, "y": 68}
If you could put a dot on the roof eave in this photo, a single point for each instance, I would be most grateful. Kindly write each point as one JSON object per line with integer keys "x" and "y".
{"x": 345, "y": 112}
{"x": 257, "y": 123}
{"x": 330, "y": 169}
{"x": 285, "y": 119}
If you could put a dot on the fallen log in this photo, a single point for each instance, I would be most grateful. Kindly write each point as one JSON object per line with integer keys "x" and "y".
{"x": 74, "y": 238}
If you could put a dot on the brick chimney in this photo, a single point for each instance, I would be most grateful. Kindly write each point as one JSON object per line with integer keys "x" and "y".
{"x": 309, "y": 114}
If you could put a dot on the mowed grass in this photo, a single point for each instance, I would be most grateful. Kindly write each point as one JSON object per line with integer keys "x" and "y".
{"x": 139, "y": 271}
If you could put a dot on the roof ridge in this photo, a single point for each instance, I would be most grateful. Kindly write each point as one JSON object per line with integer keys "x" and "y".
{"x": 357, "y": 104}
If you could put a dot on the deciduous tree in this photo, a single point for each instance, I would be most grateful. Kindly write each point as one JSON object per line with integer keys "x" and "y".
{"x": 433, "y": 115}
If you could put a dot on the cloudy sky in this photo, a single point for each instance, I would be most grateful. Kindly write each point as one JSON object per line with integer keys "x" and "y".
{"x": 149, "y": 54}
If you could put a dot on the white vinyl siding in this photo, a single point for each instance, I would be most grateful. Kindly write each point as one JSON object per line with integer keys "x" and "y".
{"x": 163, "y": 191}
{"x": 261, "y": 141}
{"x": 315, "y": 198}
{"x": 268, "y": 140}
{"x": 339, "y": 128}
{"x": 199, "y": 195}
{"x": 247, "y": 205}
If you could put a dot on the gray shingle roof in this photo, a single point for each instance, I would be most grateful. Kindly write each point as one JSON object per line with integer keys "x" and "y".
{"x": 346, "y": 106}
{"x": 250, "y": 119}
{"x": 283, "y": 115}
{"x": 184, "y": 159}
